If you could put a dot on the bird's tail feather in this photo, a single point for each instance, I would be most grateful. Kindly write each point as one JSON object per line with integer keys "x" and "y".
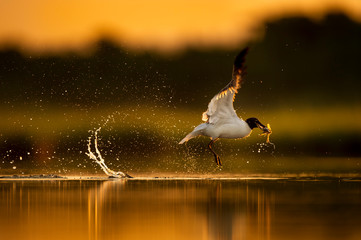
{"x": 195, "y": 133}
{"x": 189, "y": 136}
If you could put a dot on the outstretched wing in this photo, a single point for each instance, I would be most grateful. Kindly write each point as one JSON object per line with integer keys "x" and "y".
{"x": 221, "y": 105}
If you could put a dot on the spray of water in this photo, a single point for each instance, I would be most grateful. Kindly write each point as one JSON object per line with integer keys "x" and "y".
{"x": 97, "y": 157}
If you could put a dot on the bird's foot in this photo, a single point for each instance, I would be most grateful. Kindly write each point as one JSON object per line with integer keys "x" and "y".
{"x": 218, "y": 161}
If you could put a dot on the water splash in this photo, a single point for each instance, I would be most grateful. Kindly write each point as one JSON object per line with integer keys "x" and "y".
{"x": 97, "y": 156}
{"x": 264, "y": 147}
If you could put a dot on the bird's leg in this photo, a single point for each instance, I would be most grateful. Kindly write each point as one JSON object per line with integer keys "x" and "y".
{"x": 216, "y": 157}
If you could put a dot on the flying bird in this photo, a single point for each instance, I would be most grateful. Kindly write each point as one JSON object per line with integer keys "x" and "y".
{"x": 221, "y": 120}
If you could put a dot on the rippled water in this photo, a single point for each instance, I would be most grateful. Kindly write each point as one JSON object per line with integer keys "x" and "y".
{"x": 303, "y": 208}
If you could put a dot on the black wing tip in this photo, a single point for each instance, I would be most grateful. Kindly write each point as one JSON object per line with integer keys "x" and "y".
{"x": 240, "y": 58}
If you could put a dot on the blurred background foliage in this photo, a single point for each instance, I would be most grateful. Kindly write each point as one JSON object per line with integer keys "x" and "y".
{"x": 303, "y": 77}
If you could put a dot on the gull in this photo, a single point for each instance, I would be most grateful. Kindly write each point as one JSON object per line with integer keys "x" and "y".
{"x": 221, "y": 120}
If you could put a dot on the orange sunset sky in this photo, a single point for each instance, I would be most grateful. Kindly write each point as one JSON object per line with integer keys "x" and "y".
{"x": 164, "y": 25}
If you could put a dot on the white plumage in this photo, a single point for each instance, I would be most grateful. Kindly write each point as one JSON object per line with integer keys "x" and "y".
{"x": 221, "y": 120}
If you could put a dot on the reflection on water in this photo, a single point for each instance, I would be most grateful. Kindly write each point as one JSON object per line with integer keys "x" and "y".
{"x": 180, "y": 209}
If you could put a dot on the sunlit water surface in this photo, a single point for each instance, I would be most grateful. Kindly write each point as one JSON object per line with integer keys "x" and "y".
{"x": 254, "y": 208}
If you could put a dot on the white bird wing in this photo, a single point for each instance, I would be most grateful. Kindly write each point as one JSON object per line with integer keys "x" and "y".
{"x": 221, "y": 105}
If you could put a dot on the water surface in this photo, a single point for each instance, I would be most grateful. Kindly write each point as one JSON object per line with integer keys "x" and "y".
{"x": 181, "y": 209}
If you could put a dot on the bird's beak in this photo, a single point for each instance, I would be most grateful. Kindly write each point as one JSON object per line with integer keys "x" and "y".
{"x": 263, "y": 128}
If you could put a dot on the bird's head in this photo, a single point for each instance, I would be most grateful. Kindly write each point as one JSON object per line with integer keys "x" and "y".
{"x": 254, "y": 122}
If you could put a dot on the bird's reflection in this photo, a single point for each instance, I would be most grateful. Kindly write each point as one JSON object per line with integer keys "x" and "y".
{"x": 179, "y": 209}
{"x": 244, "y": 213}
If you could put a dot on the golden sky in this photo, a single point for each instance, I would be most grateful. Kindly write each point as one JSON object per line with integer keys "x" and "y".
{"x": 165, "y": 25}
